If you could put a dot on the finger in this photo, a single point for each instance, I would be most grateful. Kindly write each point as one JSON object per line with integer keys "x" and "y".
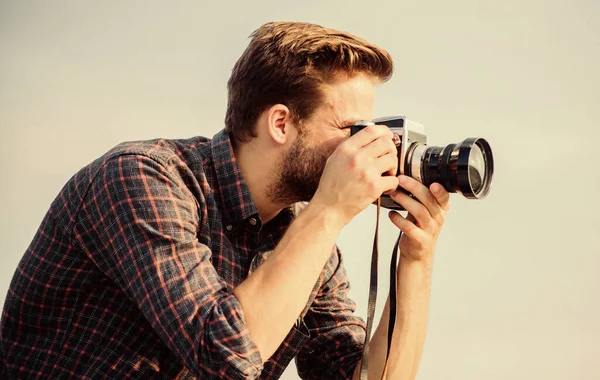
{"x": 441, "y": 195}
{"x": 387, "y": 184}
{"x": 388, "y": 165}
{"x": 407, "y": 226}
{"x": 380, "y": 147}
{"x": 414, "y": 207}
{"x": 369, "y": 134}
{"x": 422, "y": 193}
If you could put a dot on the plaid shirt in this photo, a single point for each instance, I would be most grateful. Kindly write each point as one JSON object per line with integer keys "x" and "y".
{"x": 132, "y": 270}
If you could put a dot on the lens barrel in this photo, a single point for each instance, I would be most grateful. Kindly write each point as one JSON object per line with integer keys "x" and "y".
{"x": 466, "y": 167}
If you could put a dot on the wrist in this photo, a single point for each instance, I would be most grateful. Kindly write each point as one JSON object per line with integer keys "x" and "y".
{"x": 421, "y": 267}
{"x": 414, "y": 286}
{"x": 331, "y": 216}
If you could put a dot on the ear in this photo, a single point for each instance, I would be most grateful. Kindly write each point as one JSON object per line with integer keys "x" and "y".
{"x": 279, "y": 123}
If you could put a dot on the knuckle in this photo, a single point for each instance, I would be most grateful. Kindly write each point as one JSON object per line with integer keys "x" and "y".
{"x": 423, "y": 215}
{"x": 441, "y": 218}
{"x": 432, "y": 201}
{"x": 344, "y": 149}
{"x": 354, "y": 161}
{"x": 364, "y": 174}
{"x": 371, "y": 186}
{"x": 411, "y": 230}
{"x": 408, "y": 184}
{"x": 389, "y": 135}
{"x": 395, "y": 196}
{"x": 372, "y": 129}
{"x": 385, "y": 130}
{"x": 380, "y": 130}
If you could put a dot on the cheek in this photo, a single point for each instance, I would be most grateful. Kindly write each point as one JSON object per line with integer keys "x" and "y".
{"x": 333, "y": 141}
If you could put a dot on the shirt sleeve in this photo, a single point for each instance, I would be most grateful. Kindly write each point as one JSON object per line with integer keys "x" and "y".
{"x": 337, "y": 335}
{"x": 138, "y": 223}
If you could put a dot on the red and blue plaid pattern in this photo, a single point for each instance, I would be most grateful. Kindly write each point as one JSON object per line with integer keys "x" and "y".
{"x": 132, "y": 270}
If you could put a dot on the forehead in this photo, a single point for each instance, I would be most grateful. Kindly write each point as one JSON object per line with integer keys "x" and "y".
{"x": 348, "y": 99}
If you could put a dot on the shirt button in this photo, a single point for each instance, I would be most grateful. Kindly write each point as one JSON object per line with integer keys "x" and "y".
{"x": 229, "y": 227}
{"x": 253, "y": 221}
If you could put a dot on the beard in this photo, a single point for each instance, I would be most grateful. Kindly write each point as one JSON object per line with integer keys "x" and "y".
{"x": 299, "y": 172}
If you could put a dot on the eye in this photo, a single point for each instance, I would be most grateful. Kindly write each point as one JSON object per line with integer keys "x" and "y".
{"x": 347, "y": 130}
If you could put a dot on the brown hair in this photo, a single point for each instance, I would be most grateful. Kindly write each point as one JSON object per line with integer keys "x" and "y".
{"x": 287, "y": 63}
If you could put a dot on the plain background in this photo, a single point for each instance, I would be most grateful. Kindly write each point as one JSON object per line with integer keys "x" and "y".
{"x": 516, "y": 291}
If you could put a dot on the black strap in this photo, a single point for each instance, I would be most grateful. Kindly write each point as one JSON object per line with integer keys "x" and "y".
{"x": 373, "y": 299}
{"x": 393, "y": 287}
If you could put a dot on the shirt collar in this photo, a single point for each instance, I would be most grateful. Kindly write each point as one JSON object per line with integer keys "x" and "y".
{"x": 238, "y": 204}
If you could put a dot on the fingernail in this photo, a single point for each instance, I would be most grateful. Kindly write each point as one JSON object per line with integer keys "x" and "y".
{"x": 402, "y": 179}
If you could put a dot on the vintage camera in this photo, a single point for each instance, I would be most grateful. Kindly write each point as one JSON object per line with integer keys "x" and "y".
{"x": 466, "y": 167}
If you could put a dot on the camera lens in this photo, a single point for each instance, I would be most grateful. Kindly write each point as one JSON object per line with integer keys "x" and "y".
{"x": 466, "y": 167}
{"x": 476, "y": 168}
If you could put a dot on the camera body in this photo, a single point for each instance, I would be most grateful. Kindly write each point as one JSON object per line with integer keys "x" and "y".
{"x": 466, "y": 167}
{"x": 409, "y": 137}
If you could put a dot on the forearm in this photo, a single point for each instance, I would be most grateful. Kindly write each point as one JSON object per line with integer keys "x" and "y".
{"x": 377, "y": 346}
{"x": 410, "y": 327}
{"x": 414, "y": 290}
{"x": 276, "y": 293}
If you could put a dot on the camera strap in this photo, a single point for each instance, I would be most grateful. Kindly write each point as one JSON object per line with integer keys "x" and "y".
{"x": 373, "y": 299}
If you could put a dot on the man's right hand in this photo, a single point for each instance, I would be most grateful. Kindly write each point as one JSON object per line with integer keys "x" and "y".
{"x": 352, "y": 178}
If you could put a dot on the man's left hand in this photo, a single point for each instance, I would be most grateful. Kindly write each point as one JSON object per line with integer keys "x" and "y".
{"x": 426, "y": 216}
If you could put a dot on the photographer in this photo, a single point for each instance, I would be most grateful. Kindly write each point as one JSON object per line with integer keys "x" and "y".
{"x": 197, "y": 258}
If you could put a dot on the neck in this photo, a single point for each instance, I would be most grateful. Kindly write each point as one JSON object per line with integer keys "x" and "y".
{"x": 257, "y": 165}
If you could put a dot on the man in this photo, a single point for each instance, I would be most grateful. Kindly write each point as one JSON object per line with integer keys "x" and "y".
{"x": 194, "y": 258}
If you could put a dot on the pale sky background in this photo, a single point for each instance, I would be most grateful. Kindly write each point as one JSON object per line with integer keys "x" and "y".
{"x": 516, "y": 285}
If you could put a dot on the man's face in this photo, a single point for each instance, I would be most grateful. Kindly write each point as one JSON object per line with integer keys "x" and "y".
{"x": 346, "y": 101}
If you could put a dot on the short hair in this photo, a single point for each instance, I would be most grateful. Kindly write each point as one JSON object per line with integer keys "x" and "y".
{"x": 288, "y": 63}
